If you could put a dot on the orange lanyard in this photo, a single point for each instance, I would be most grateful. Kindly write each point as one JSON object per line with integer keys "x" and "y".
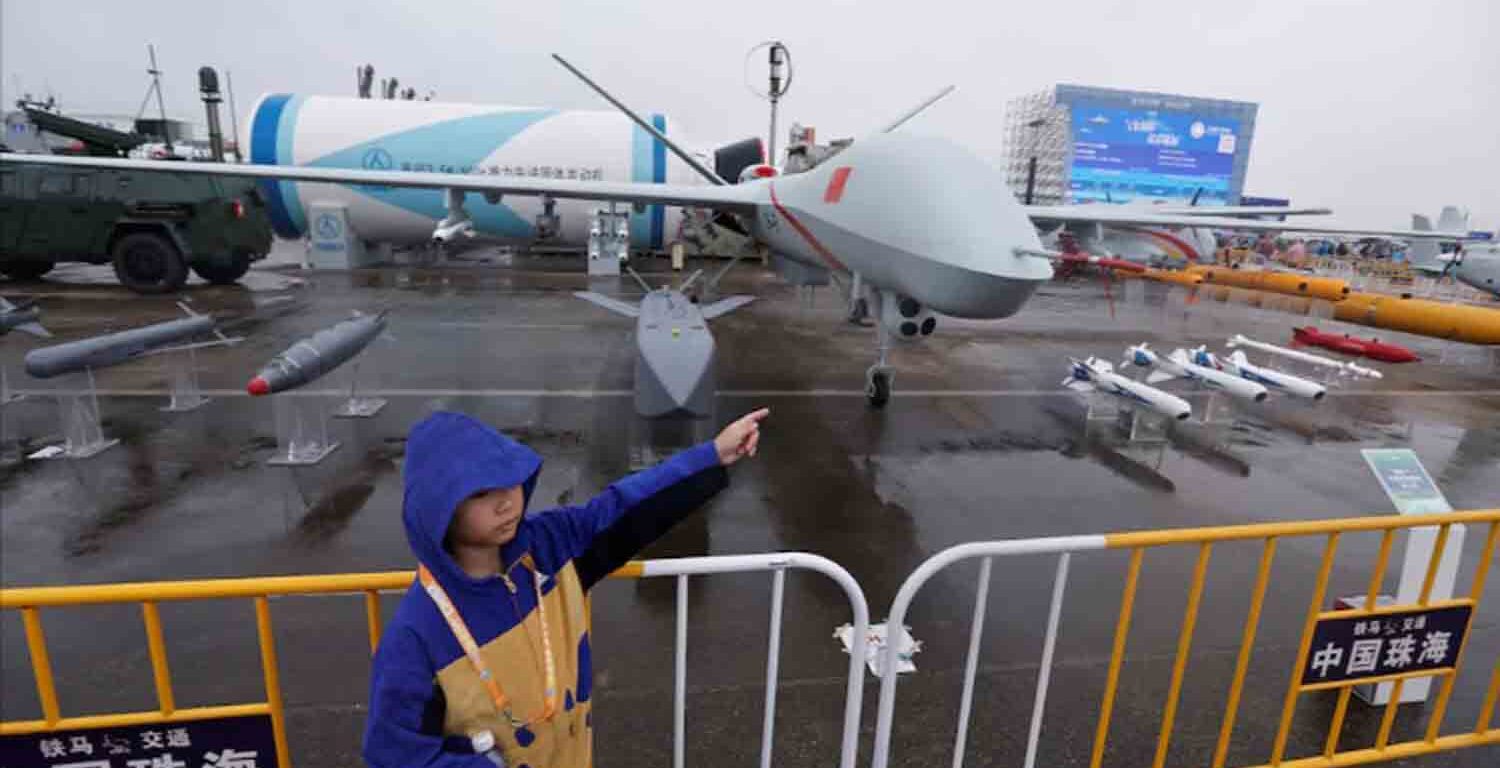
{"x": 471, "y": 649}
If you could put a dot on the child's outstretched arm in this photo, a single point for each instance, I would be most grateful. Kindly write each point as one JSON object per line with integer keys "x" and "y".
{"x": 636, "y": 510}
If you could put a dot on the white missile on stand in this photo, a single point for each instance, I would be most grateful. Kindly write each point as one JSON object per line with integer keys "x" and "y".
{"x": 1095, "y": 374}
{"x": 1178, "y": 366}
{"x": 1350, "y": 369}
{"x": 1237, "y": 364}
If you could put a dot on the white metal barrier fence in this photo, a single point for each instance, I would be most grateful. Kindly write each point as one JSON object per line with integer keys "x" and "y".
{"x": 778, "y": 564}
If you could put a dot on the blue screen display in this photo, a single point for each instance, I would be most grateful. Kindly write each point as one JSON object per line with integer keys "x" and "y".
{"x": 1120, "y": 154}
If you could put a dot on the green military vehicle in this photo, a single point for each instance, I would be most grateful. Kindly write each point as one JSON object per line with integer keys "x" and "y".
{"x": 153, "y": 227}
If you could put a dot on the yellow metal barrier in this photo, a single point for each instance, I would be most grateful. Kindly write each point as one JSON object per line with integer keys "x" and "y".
{"x": 29, "y": 601}
{"x": 1270, "y": 533}
{"x": 1204, "y": 540}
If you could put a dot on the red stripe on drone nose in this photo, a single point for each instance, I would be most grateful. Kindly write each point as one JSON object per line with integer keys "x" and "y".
{"x": 835, "y": 191}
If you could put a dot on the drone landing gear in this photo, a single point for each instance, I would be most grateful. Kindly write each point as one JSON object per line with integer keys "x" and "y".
{"x": 859, "y": 306}
{"x": 879, "y": 377}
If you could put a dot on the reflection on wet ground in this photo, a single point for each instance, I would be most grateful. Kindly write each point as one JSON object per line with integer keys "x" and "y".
{"x": 979, "y": 443}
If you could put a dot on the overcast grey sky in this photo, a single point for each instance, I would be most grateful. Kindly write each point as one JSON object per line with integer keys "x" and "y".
{"x": 1377, "y": 109}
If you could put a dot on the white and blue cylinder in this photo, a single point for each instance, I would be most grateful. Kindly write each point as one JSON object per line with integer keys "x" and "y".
{"x": 538, "y": 142}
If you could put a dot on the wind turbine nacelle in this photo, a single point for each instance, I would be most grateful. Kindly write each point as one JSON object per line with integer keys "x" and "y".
{"x": 906, "y": 318}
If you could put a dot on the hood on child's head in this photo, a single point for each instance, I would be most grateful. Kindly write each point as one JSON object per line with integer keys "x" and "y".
{"x": 450, "y": 457}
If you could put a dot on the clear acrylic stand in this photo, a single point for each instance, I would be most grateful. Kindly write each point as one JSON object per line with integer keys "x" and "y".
{"x": 301, "y": 431}
{"x": 356, "y": 407}
{"x": 1143, "y": 427}
{"x": 6, "y": 396}
{"x": 10, "y": 450}
{"x": 186, "y": 394}
{"x": 78, "y": 413}
{"x": 1099, "y": 406}
{"x": 1218, "y": 409}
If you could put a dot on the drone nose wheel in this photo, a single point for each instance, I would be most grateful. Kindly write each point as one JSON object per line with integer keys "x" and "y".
{"x": 878, "y": 386}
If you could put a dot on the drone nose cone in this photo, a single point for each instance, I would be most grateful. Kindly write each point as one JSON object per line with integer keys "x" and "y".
{"x": 258, "y": 386}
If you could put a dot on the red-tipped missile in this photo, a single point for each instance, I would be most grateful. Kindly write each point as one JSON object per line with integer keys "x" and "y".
{"x": 311, "y": 358}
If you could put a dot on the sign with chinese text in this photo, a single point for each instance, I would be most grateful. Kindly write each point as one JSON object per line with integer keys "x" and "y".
{"x": 1406, "y": 481}
{"x": 230, "y": 742}
{"x": 1354, "y": 648}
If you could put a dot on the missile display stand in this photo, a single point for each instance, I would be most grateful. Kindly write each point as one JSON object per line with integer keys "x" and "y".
{"x": 6, "y": 396}
{"x": 356, "y": 407}
{"x": 186, "y": 394}
{"x": 1100, "y": 408}
{"x": 1105, "y": 412}
{"x": 301, "y": 431}
{"x": 1217, "y": 409}
{"x": 9, "y": 452}
{"x": 609, "y": 241}
{"x": 78, "y": 413}
{"x": 1142, "y": 426}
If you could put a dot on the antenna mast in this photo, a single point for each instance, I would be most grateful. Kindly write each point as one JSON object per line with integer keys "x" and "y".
{"x": 780, "y": 82}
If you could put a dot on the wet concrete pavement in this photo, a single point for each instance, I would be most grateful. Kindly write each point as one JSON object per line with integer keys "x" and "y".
{"x": 979, "y": 443}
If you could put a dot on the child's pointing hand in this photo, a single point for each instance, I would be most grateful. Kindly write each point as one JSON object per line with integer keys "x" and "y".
{"x": 741, "y": 438}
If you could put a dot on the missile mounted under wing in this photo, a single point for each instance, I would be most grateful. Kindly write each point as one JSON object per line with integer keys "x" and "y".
{"x": 674, "y": 361}
{"x": 1094, "y": 374}
{"x": 1178, "y": 366}
{"x": 317, "y": 355}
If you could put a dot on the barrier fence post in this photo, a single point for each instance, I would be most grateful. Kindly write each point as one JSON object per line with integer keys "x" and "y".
{"x": 773, "y": 664}
{"x": 1116, "y": 656}
{"x": 679, "y": 706}
{"x": 41, "y": 664}
{"x": 158, "y": 649}
{"x": 1289, "y": 703}
{"x": 372, "y": 618}
{"x": 971, "y": 665}
{"x": 1044, "y": 675}
{"x": 1247, "y": 642}
{"x": 1184, "y": 646}
{"x": 273, "y": 679}
{"x": 1476, "y": 590}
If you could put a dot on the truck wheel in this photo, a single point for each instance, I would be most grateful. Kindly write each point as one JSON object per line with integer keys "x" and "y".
{"x": 223, "y": 269}
{"x": 146, "y": 262}
{"x": 25, "y": 270}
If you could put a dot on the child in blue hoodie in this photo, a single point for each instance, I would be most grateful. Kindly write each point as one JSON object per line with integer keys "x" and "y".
{"x": 490, "y": 646}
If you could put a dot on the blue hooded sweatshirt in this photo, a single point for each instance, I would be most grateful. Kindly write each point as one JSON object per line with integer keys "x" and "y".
{"x": 425, "y": 698}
